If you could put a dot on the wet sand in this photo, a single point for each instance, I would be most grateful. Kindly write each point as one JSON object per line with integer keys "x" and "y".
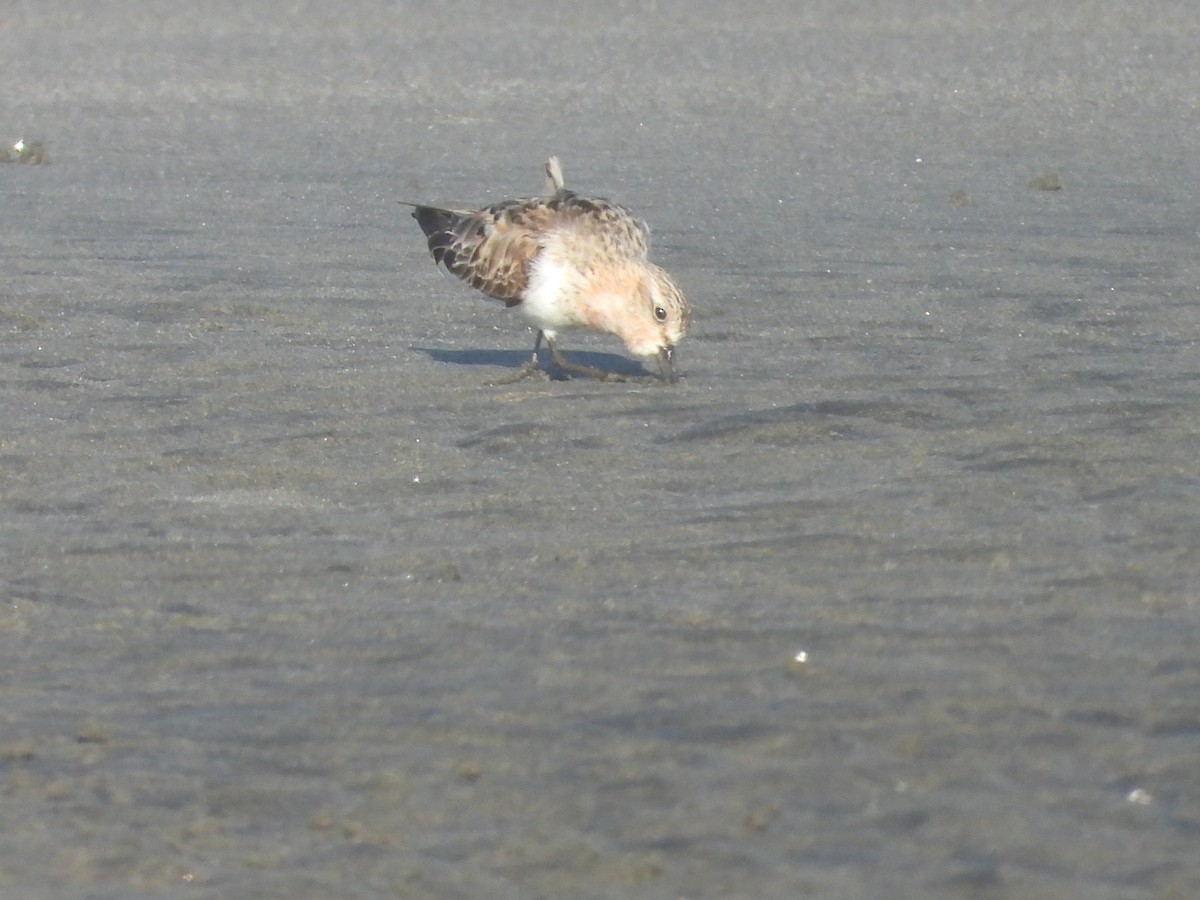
{"x": 296, "y": 606}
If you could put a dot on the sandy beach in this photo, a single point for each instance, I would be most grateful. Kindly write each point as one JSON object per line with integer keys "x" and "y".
{"x": 895, "y": 595}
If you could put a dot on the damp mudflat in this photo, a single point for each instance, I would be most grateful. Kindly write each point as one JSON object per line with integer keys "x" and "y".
{"x": 896, "y": 595}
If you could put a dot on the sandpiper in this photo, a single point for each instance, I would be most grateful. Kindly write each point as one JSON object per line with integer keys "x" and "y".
{"x": 564, "y": 261}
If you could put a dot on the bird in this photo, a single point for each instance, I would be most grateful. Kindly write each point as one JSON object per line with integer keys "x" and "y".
{"x": 564, "y": 261}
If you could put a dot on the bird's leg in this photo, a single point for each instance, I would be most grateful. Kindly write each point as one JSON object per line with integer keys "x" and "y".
{"x": 567, "y": 366}
{"x": 529, "y": 368}
{"x": 532, "y": 367}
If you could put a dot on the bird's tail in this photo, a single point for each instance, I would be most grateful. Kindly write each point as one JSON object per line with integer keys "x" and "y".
{"x": 554, "y": 176}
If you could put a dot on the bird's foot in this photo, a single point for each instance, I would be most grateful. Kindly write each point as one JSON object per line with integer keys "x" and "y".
{"x": 529, "y": 369}
{"x": 587, "y": 371}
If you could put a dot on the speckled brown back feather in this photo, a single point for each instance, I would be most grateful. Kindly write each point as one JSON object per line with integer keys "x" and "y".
{"x": 493, "y": 249}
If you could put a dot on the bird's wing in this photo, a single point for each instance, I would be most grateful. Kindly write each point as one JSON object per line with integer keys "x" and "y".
{"x": 493, "y": 249}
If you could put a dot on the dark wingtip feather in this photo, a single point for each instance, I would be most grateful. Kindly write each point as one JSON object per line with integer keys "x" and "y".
{"x": 433, "y": 220}
{"x": 438, "y": 225}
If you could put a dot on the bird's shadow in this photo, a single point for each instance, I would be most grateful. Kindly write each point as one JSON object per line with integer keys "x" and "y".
{"x": 514, "y": 359}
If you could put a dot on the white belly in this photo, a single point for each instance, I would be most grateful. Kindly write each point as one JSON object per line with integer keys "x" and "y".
{"x": 551, "y": 300}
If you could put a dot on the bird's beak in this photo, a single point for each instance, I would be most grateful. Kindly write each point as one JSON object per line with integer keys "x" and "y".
{"x": 666, "y": 365}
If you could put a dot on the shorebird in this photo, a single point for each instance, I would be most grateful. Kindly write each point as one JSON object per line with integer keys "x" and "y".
{"x": 564, "y": 261}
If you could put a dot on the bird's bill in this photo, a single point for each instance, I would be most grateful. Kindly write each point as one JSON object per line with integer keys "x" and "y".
{"x": 666, "y": 365}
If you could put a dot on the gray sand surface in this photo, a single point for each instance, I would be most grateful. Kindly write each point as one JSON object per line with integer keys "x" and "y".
{"x": 296, "y": 606}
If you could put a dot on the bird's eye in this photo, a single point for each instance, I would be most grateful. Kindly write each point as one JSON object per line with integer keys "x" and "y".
{"x": 660, "y": 314}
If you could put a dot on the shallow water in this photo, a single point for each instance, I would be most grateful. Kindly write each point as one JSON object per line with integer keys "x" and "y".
{"x": 295, "y": 605}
